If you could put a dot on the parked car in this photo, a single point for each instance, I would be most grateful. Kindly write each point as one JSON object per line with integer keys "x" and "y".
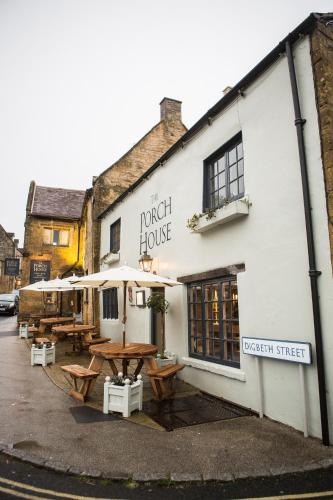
{"x": 9, "y": 303}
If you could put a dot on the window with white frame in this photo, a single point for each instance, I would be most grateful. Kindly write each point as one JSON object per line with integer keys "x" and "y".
{"x": 56, "y": 237}
{"x": 224, "y": 175}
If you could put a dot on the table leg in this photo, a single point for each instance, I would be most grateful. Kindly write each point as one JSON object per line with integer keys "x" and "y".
{"x": 113, "y": 366}
{"x": 125, "y": 365}
{"x": 138, "y": 368}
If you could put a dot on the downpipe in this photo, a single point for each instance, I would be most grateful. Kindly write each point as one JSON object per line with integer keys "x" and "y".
{"x": 313, "y": 272}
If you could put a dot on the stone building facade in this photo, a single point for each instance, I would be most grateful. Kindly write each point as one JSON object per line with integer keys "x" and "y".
{"x": 322, "y": 63}
{"x": 8, "y": 250}
{"x": 53, "y": 245}
{"x": 111, "y": 183}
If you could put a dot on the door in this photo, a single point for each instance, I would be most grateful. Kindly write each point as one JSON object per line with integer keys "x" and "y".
{"x": 156, "y": 323}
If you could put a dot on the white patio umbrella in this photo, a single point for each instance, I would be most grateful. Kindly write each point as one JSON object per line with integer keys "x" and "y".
{"x": 125, "y": 276}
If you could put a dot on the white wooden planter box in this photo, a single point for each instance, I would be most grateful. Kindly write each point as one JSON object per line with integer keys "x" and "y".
{"x": 123, "y": 399}
{"x": 24, "y": 331}
{"x": 232, "y": 211}
{"x": 170, "y": 360}
{"x": 42, "y": 356}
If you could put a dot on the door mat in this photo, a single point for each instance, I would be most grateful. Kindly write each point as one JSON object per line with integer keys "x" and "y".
{"x": 191, "y": 410}
{"x": 88, "y": 415}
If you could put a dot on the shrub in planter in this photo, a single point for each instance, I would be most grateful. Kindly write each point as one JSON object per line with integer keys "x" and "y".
{"x": 123, "y": 394}
{"x": 158, "y": 304}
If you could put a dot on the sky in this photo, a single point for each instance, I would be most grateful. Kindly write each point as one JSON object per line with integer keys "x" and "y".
{"x": 81, "y": 80}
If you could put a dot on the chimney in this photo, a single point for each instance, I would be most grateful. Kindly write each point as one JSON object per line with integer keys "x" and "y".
{"x": 11, "y": 235}
{"x": 16, "y": 242}
{"x": 171, "y": 109}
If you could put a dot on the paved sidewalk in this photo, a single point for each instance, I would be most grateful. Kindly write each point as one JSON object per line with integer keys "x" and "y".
{"x": 36, "y": 425}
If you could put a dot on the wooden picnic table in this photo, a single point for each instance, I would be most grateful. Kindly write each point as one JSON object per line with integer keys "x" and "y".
{"x": 75, "y": 331}
{"x": 46, "y": 323}
{"x": 110, "y": 352}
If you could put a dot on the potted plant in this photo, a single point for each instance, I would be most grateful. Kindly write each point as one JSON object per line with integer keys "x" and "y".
{"x": 123, "y": 394}
{"x": 43, "y": 354}
{"x": 158, "y": 304}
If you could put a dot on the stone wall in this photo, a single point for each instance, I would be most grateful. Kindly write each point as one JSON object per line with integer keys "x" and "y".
{"x": 322, "y": 61}
{"x": 7, "y": 249}
{"x": 63, "y": 260}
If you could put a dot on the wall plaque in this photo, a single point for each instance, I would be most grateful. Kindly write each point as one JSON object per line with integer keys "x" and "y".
{"x": 39, "y": 270}
{"x": 12, "y": 267}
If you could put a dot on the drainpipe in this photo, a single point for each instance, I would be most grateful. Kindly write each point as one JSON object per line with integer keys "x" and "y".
{"x": 313, "y": 272}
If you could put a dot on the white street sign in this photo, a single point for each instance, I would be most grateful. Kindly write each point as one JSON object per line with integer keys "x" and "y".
{"x": 296, "y": 352}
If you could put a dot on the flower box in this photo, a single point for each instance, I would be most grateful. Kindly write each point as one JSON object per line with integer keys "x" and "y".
{"x": 232, "y": 211}
{"x": 24, "y": 330}
{"x": 42, "y": 355}
{"x": 110, "y": 258}
{"x": 123, "y": 398}
{"x": 170, "y": 359}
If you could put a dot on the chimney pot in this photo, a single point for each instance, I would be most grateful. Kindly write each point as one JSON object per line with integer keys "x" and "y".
{"x": 171, "y": 109}
{"x": 226, "y": 90}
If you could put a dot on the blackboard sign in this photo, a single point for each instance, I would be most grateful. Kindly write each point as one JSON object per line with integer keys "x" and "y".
{"x": 39, "y": 270}
{"x": 12, "y": 267}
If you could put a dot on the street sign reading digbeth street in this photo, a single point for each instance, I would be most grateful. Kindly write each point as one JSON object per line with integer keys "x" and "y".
{"x": 296, "y": 352}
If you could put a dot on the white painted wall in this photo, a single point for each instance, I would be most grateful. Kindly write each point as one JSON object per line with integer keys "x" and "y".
{"x": 274, "y": 291}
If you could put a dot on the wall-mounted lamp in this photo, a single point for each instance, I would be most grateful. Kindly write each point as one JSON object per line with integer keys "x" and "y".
{"x": 145, "y": 262}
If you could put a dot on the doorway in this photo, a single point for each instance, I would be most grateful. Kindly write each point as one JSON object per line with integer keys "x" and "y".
{"x": 156, "y": 322}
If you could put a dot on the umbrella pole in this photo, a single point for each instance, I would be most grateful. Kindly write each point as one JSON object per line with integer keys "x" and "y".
{"x": 124, "y": 313}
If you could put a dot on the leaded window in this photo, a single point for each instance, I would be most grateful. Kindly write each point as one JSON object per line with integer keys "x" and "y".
{"x": 213, "y": 321}
{"x": 115, "y": 237}
{"x": 224, "y": 175}
{"x": 110, "y": 303}
{"x": 56, "y": 237}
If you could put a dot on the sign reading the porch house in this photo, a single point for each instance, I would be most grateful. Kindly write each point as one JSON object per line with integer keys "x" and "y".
{"x": 12, "y": 267}
{"x": 39, "y": 270}
{"x": 296, "y": 352}
{"x": 155, "y": 228}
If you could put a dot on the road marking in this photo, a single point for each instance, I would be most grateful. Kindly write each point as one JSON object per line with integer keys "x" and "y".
{"x": 29, "y": 487}
{"x": 295, "y": 496}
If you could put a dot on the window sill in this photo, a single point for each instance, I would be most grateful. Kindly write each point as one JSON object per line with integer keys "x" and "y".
{"x": 225, "y": 371}
{"x": 110, "y": 258}
{"x": 231, "y": 211}
{"x": 110, "y": 320}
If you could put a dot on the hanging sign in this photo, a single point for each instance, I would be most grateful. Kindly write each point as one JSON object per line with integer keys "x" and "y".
{"x": 12, "y": 267}
{"x": 39, "y": 270}
{"x": 296, "y": 352}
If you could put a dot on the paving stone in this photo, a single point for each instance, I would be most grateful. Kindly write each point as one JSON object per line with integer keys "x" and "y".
{"x": 325, "y": 462}
{"x": 17, "y": 453}
{"x": 311, "y": 466}
{"x": 149, "y": 476}
{"x": 285, "y": 469}
{"x": 76, "y": 471}
{"x": 185, "y": 476}
{"x": 218, "y": 476}
{"x": 92, "y": 473}
{"x": 116, "y": 476}
{"x": 57, "y": 466}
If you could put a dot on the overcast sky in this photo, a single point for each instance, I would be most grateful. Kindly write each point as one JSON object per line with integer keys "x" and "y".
{"x": 81, "y": 80}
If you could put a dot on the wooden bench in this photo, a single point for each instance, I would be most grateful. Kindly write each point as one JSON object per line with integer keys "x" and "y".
{"x": 161, "y": 380}
{"x": 91, "y": 338}
{"x": 86, "y": 375}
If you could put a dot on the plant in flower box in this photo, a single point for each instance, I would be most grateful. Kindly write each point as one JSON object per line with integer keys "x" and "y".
{"x": 158, "y": 304}
{"x": 123, "y": 394}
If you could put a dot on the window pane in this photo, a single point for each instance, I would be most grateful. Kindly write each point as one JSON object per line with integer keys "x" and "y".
{"x": 233, "y": 189}
{"x": 221, "y": 164}
{"x": 214, "y": 184}
{"x": 216, "y": 168}
{"x": 232, "y": 156}
{"x": 233, "y": 173}
{"x": 47, "y": 234}
{"x": 64, "y": 238}
{"x": 221, "y": 178}
{"x": 221, "y": 197}
{"x": 225, "y": 290}
{"x": 235, "y": 356}
{"x": 55, "y": 237}
{"x": 240, "y": 165}
{"x": 240, "y": 151}
{"x": 241, "y": 185}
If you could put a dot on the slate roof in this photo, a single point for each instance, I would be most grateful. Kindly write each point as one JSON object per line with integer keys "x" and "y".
{"x": 57, "y": 203}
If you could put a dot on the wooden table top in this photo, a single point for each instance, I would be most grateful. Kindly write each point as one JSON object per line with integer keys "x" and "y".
{"x": 131, "y": 350}
{"x": 55, "y": 321}
{"x": 73, "y": 328}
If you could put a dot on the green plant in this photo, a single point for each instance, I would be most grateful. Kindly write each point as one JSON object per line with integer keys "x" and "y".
{"x": 158, "y": 304}
{"x": 211, "y": 212}
{"x": 193, "y": 221}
